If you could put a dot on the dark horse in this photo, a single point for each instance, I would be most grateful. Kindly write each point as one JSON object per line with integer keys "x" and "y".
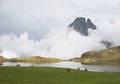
{"x": 68, "y": 70}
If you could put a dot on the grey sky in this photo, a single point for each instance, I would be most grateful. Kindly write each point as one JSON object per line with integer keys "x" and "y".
{"x": 49, "y": 18}
{"x": 38, "y": 16}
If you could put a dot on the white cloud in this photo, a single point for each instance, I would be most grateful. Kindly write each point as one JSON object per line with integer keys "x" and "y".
{"x": 38, "y": 17}
{"x": 56, "y": 44}
{"x": 110, "y": 31}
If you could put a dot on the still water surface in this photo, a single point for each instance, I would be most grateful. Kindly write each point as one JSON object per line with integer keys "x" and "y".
{"x": 73, "y": 65}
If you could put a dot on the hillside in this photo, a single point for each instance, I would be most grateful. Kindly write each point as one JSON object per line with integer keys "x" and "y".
{"x": 107, "y": 56}
{"x": 34, "y": 59}
{"x": 2, "y": 59}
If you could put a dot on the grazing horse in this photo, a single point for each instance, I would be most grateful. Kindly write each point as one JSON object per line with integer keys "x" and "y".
{"x": 18, "y": 65}
{"x": 1, "y": 64}
{"x": 68, "y": 70}
{"x": 32, "y": 65}
{"x": 78, "y": 68}
{"x": 86, "y": 69}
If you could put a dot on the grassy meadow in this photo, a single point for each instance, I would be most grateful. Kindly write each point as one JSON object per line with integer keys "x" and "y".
{"x": 46, "y": 75}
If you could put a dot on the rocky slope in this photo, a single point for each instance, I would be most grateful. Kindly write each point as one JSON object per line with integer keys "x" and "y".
{"x": 108, "y": 56}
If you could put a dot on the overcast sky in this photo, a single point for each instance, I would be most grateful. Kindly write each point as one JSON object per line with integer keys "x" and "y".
{"x": 38, "y": 16}
{"x": 39, "y": 27}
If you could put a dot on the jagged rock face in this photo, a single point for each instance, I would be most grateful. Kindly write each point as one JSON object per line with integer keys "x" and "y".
{"x": 82, "y": 25}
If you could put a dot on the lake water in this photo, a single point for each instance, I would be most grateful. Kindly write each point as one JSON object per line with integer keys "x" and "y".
{"x": 73, "y": 65}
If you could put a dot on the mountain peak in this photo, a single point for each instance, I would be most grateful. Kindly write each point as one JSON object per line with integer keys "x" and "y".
{"x": 81, "y": 25}
{"x": 89, "y": 20}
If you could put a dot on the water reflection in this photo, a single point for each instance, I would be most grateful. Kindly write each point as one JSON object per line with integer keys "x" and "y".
{"x": 73, "y": 65}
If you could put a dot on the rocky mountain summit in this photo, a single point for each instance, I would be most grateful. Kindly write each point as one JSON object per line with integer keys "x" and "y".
{"x": 81, "y": 25}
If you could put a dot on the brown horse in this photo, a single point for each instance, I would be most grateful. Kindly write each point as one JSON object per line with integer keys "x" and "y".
{"x": 68, "y": 70}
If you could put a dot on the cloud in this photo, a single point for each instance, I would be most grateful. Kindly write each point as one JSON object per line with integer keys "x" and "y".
{"x": 57, "y": 43}
{"x": 44, "y": 23}
{"x": 110, "y": 31}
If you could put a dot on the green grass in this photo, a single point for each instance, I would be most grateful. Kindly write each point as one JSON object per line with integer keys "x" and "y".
{"x": 45, "y": 75}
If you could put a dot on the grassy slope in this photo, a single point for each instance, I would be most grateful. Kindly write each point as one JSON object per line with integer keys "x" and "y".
{"x": 34, "y": 59}
{"x": 40, "y": 75}
{"x": 2, "y": 59}
{"x": 108, "y": 56}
